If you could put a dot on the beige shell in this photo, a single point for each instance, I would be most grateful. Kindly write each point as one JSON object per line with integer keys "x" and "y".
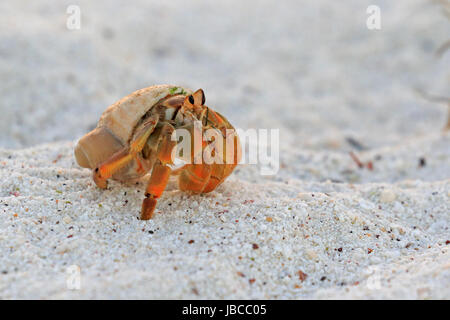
{"x": 117, "y": 124}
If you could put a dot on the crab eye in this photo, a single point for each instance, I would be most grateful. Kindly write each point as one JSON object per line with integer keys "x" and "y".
{"x": 199, "y": 97}
{"x": 191, "y": 99}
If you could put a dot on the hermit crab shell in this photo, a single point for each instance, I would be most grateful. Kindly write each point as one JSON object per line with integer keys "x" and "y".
{"x": 116, "y": 126}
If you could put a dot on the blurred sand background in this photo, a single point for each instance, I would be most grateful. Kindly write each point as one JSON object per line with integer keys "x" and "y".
{"x": 312, "y": 70}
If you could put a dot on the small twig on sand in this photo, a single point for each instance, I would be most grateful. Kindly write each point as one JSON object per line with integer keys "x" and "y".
{"x": 361, "y": 164}
{"x": 355, "y": 143}
{"x": 356, "y": 159}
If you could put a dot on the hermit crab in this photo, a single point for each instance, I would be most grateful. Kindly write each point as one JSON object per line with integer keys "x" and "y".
{"x": 137, "y": 135}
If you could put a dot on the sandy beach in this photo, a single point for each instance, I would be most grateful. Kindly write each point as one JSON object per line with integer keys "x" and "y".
{"x": 326, "y": 226}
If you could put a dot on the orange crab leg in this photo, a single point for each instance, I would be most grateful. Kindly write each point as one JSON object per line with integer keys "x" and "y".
{"x": 217, "y": 176}
{"x": 166, "y": 145}
{"x": 112, "y": 165}
{"x": 155, "y": 188}
{"x": 141, "y": 136}
{"x": 160, "y": 173}
{"x": 121, "y": 158}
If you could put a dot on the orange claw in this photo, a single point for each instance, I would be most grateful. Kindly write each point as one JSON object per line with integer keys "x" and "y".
{"x": 99, "y": 180}
{"x": 194, "y": 177}
{"x": 112, "y": 165}
{"x": 217, "y": 176}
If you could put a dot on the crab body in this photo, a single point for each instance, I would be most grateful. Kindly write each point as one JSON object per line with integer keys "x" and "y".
{"x": 134, "y": 136}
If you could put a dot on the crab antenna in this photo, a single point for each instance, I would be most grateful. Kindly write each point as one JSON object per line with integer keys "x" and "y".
{"x": 206, "y": 119}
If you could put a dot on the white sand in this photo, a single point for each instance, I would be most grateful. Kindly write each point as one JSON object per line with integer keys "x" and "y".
{"x": 313, "y": 71}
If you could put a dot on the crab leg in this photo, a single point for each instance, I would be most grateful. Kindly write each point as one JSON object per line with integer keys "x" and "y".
{"x": 155, "y": 188}
{"x": 160, "y": 173}
{"x": 121, "y": 158}
{"x": 216, "y": 177}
